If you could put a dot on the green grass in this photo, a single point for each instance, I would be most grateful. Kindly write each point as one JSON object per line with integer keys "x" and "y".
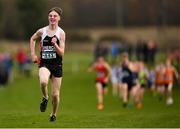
{"x": 19, "y": 103}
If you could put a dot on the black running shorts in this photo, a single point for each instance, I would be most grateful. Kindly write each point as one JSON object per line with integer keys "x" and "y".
{"x": 102, "y": 83}
{"x": 55, "y": 70}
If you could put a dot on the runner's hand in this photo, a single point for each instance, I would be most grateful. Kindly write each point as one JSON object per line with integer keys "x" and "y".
{"x": 34, "y": 58}
{"x": 54, "y": 41}
{"x": 106, "y": 80}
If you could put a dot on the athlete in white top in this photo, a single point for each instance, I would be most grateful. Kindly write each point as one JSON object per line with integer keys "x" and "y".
{"x": 52, "y": 48}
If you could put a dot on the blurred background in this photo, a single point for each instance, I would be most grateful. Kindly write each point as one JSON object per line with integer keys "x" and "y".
{"x": 133, "y": 25}
{"x": 147, "y": 29}
{"x": 91, "y": 20}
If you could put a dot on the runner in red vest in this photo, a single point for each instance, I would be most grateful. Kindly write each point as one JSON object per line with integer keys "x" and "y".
{"x": 103, "y": 72}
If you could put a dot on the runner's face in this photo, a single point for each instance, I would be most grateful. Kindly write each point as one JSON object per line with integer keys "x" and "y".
{"x": 125, "y": 59}
{"x": 54, "y": 18}
{"x": 168, "y": 63}
{"x": 100, "y": 60}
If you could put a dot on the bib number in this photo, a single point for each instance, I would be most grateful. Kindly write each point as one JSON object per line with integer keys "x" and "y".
{"x": 48, "y": 55}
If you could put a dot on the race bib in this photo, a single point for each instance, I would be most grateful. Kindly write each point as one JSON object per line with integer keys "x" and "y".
{"x": 100, "y": 74}
{"x": 48, "y": 52}
{"x": 48, "y": 55}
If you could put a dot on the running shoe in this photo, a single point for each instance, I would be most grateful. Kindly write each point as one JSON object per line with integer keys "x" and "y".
{"x": 52, "y": 118}
{"x": 100, "y": 106}
{"x": 43, "y": 105}
{"x": 139, "y": 105}
{"x": 124, "y": 104}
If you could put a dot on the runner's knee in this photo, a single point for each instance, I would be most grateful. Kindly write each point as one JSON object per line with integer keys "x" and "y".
{"x": 55, "y": 94}
{"x": 44, "y": 82}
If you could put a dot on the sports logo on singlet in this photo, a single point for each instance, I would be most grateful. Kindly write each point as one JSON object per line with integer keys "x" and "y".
{"x": 48, "y": 52}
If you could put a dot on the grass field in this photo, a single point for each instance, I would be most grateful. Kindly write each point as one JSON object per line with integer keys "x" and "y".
{"x": 19, "y": 103}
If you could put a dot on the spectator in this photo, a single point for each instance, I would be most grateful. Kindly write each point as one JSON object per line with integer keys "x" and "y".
{"x": 21, "y": 59}
{"x": 145, "y": 52}
{"x": 27, "y": 66}
{"x": 3, "y": 71}
{"x": 8, "y": 64}
{"x": 139, "y": 50}
{"x": 152, "y": 49}
{"x": 114, "y": 50}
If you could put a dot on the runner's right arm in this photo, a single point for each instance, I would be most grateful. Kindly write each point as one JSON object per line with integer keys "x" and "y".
{"x": 91, "y": 68}
{"x": 32, "y": 45}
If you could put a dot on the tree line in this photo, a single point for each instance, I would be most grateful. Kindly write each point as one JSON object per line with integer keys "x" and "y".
{"x": 20, "y": 18}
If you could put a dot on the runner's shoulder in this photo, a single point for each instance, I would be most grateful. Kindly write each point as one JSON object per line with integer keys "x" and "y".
{"x": 61, "y": 30}
{"x": 40, "y": 31}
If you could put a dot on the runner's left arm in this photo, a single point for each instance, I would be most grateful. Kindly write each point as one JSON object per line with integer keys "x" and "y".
{"x": 108, "y": 68}
{"x": 61, "y": 47}
{"x": 176, "y": 73}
